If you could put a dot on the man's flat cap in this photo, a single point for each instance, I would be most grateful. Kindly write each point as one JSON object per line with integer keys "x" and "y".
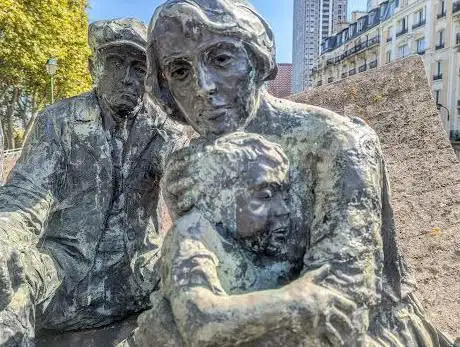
{"x": 117, "y": 32}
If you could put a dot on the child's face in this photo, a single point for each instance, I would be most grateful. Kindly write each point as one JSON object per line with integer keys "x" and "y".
{"x": 262, "y": 216}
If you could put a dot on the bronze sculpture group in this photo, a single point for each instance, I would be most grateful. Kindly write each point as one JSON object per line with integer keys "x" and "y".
{"x": 283, "y": 231}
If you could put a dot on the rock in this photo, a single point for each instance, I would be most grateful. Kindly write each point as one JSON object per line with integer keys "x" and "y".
{"x": 396, "y": 101}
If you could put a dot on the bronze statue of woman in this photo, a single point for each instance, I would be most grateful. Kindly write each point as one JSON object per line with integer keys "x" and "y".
{"x": 208, "y": 61}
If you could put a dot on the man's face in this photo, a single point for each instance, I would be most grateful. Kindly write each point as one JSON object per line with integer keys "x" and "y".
{"x": 209, "y": 77}
{"x": 121, "y": 82}
{"x": 262, "y": 216}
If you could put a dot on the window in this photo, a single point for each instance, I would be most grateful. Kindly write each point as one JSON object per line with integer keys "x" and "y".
{"x": 403, "y": 23}
{"x": 389, "y": 34}
{"x": 403, "y": 51}
{"x": 420, "y": 16}
{"x": 440, "y": 40}
{"x": 442, "y": 7}
{"x": 438, "y": 74}
{"x": 421, "y": 45}
{"x": 388, "y": 56}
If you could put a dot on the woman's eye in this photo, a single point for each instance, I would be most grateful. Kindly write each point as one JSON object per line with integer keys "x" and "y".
{"x": 222, "y": 59}
{"x": 139, "y": 70}
{"x": 180, "y": 73}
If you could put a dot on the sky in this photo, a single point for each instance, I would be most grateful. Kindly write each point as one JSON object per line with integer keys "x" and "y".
{"x": 279, "y": 13}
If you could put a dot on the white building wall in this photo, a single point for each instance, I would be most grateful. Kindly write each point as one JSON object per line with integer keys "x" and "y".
{"x": 448, "y": 85}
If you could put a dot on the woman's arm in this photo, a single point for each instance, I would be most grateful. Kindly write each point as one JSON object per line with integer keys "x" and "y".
{"x": 206, "y": 315}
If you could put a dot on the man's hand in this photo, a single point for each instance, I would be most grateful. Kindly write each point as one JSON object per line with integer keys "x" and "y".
{"x": 327, "y": 311}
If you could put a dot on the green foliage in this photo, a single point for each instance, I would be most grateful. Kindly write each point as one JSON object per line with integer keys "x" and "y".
{"x": 31, "y": 31}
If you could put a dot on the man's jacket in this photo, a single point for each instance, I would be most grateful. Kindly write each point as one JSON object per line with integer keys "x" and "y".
{"x": 59, "y": 195}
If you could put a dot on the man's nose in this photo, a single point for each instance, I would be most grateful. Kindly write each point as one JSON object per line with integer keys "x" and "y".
{"x": 128, "y": 79}
{"x": 205, "y": 81}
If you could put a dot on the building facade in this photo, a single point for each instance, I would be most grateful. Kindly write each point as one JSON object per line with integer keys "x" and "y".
{"x": 314, "y": 21}
{"x": 371, "y": 4}
{"x": 394, "y": 30}
{"x": 281, "y": 85}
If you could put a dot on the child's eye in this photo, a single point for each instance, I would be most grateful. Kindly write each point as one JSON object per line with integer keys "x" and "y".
{"x": 264, "y": 194}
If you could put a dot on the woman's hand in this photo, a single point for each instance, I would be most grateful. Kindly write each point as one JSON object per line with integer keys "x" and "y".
{"x": 325, "y": 310}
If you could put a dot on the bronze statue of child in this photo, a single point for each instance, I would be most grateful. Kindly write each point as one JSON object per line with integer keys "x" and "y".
{"x": 233, "y": 235}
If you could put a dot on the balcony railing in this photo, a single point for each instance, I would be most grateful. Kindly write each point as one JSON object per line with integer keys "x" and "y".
{"x": 373, "y": 41}
{"x": 440, "y": 46}
{"x": 419, "y": 24}
{"x": 344, "y": 74}
{"x": 454, "y": 135}
{"x": 456, "y": 7}
{"x": 373, "y": 64}
{"x": 330, "y": 79}
{"x": 352, "y": 72}
{"x": 442, "y": 14}
{"x": 402, "y": 32}
{"x": 437, "y": 77}
{"x": 362, "y": 68}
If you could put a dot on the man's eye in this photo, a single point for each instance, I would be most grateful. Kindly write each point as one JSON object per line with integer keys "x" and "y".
{"x": 180, "y": 73}
{"x": 115, "y": 63}
{"x": 139, "y": 70}
{"x": 223, "y": 59}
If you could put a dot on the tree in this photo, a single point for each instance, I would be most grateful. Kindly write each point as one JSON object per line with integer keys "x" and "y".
{"x": 31, "y": 31}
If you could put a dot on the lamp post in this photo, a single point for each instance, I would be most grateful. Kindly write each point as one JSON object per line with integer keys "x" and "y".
{"x": 439, "y": 106}
{"x": 51, "y": 68}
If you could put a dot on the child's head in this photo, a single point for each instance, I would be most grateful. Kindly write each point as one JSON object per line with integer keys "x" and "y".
{"x": 240, "y": 182}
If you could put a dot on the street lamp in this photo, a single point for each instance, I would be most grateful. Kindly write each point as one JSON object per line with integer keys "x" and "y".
{"x": 439, "y": 106}
{"x": 51, "y": 68}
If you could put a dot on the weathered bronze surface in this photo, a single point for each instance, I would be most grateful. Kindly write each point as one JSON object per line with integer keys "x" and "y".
{"x": 349, "y": 286}
{"x": 80, "y": 229}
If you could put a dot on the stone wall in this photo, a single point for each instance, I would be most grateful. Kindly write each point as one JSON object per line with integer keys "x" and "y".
{"x": 424, "y": 172}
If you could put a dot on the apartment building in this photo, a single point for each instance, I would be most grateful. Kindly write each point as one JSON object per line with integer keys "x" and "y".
{"x": 394, "y": 30}
{"x": 314, "y": 22}
{"x": 371, "y": 4}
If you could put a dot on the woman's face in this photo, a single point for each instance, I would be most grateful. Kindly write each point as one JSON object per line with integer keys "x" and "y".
{"x": 210, "y": 77}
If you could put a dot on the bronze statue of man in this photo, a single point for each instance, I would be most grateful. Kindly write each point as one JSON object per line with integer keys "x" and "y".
{"x": 208, "y": 61}
{"x": 79, "y": 223}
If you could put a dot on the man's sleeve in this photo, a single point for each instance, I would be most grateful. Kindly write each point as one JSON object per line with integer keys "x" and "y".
{"x": 27, "y": 196}
{"x": 346, "y": 227}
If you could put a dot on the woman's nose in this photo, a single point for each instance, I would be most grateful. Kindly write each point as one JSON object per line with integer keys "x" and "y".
{"x": 205, "y": 82}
